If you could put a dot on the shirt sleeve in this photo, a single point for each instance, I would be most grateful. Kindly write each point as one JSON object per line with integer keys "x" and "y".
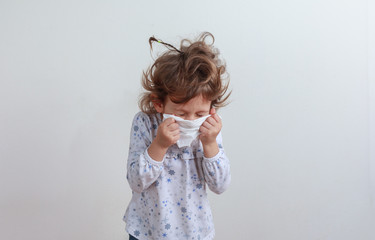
{"x": 217, "y": 169}
{"x": 142, "y": 170}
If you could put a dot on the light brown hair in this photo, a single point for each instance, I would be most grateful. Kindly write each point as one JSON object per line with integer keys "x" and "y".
{"x": 184, "y": 74}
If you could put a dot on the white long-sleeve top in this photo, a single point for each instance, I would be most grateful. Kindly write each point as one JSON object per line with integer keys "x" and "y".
{"x": 169, "y": 198}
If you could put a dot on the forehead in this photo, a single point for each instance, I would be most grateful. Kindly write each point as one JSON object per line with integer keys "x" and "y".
{"x": 197, "y": 103}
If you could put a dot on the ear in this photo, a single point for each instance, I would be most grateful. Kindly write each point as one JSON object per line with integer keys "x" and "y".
{"x": 158, "y": 105}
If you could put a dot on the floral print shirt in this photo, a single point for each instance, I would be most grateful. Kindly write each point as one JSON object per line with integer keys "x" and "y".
{"x": 169, "y": 198}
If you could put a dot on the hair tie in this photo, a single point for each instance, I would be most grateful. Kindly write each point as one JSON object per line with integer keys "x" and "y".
{"x": 166, "y": 44}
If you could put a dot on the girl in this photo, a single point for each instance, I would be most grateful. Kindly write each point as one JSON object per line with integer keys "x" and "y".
{"x": 168, "y": 166}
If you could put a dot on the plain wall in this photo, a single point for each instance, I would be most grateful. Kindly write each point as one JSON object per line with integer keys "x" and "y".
{"x": 299, "y": 132}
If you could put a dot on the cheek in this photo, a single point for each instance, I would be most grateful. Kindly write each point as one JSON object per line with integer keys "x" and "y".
{"x": 168, "y": 109}
{"x": 209, "y": 106}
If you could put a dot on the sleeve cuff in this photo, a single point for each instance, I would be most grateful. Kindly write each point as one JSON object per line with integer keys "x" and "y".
{"x": 152, "y": 161}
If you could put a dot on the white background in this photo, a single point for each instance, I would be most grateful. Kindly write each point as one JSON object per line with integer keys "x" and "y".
{"x": 299, "y": 132}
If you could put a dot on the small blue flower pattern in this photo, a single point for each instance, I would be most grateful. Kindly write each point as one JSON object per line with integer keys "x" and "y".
{"x": 169, "y": 197}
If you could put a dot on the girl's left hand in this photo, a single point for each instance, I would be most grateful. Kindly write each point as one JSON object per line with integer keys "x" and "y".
{"x": 210, "y": 128}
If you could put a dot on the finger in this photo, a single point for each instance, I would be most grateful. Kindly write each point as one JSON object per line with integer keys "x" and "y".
{"x": 203, "y": 129}
{"x": 175, "y": 132}
{"x": 217, "y": 118}
{"x": 169, "y": 121}
{"x": 173, "y": 126}
{"x": 212, "y": 121}
{"x": 207, "y": 125}
{"x": 212, "y": 111}
{"x": 176, "y": 137}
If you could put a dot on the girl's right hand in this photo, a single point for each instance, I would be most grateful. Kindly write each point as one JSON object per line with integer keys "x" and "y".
{"x": 168, "y": 133}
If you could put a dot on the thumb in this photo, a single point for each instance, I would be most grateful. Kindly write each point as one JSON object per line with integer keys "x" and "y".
{"x": 169, "y": 120}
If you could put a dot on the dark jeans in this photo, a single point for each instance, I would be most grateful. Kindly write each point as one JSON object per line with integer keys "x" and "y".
{"x": 132, "y": 238}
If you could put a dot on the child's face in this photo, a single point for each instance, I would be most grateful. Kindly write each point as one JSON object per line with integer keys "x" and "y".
{"x": 195, "y": 108}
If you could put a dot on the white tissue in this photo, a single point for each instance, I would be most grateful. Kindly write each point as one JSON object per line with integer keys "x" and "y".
{"x": 189, "y": 129}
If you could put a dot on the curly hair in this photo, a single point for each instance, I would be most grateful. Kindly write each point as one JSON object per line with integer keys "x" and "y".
{"x": 183, "y": 74}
